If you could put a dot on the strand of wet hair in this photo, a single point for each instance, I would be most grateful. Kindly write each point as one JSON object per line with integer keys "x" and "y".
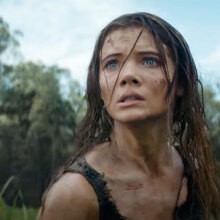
{"x": 104, "y": 73}
{"x": 125, "y": 62}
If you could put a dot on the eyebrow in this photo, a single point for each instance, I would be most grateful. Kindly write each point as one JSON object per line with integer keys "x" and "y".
{"x": 151, "y": 53}
{"x": 110, "y": 56}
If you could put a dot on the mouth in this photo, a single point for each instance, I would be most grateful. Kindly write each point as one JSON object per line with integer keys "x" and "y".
{"x": 130, "y": 97}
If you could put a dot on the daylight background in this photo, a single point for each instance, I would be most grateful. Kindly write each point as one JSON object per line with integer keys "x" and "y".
{"x": 45, "y": 49}
{"x": 64, "y": 32}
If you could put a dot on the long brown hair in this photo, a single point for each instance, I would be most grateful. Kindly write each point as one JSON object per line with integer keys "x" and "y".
{"x": 189, "y": 128}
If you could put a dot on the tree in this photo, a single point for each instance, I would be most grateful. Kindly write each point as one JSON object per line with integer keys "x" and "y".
{"x": 37, "y": 126}
{"x": 8, "y": 43}
{"x": 7, "y": 39}
{"x": 212, "y": 109}
{"x": 37, "y": 121}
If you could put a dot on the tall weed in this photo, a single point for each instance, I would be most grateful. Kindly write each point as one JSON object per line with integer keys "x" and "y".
{"x": 13, "y": 212}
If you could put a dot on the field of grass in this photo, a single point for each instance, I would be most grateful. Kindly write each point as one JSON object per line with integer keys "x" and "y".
{"x": 13, "y": 212}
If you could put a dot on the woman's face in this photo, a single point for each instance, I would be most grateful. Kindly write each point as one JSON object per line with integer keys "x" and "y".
{"x": 140, "y": 91}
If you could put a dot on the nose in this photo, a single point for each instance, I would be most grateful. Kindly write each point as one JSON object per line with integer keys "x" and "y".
{"x": 129, "y": 75}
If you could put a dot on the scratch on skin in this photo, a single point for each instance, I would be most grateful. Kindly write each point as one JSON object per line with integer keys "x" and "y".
{"x": 136, "y": 186}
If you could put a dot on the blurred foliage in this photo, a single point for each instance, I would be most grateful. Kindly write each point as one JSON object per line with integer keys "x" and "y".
{"x": 212, "y": 109}
{"x": 7, "y": 39}
{"x": 18, "y": 214}
{"x": 13, "y": 212}
{"x": 37, "y": 122}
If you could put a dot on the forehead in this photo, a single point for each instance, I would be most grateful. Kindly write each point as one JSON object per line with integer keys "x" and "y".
{"x": 124, "y": 39}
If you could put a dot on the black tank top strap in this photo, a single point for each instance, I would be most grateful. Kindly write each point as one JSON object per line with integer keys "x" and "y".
{"x": 107, "y": 208}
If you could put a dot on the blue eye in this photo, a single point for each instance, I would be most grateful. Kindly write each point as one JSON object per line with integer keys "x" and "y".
{"x": 150, "y": 62}
{"x": 112, "y": 65}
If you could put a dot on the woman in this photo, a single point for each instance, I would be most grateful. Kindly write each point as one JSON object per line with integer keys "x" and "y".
{"x": 143, "y": 151}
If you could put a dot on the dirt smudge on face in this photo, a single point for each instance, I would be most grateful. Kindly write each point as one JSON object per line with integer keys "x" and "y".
{"x": 110, "y": 41}
{"x": 160, "y": 83}
{"x": 163, "y": 82}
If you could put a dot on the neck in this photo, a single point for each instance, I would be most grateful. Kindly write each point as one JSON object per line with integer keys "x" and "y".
{"x": 143, "y": 143}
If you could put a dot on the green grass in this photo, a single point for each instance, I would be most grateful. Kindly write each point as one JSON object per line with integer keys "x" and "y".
{"x": 13, "y": 212}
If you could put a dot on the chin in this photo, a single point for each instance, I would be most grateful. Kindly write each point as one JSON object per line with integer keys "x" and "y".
{"x": 139, "y": 118}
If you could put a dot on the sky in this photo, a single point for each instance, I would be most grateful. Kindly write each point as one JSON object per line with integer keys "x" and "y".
{"x": 63, "y": 32}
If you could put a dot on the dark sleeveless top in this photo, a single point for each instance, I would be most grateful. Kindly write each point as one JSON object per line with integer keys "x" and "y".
{"x": 107, "y": 207}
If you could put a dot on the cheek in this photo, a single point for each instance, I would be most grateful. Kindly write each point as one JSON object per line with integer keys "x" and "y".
{"x": 158, "y": 85}
{"x": 162, "y": 83}
{"x": 105, "y": 89}
{"x": 106, "y": 85}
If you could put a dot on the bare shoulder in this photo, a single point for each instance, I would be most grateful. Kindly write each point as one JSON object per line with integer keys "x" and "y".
{"x": 71, "y": 197}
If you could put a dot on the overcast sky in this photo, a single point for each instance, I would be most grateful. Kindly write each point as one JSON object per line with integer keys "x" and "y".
{"x": 63, "y": 32}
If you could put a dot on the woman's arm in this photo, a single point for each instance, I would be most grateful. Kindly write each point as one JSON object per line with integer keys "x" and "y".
{"x": 71, "y": 197}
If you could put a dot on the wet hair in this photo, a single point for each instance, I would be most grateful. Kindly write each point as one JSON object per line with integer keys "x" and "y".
{"x": 188, "y": 126}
